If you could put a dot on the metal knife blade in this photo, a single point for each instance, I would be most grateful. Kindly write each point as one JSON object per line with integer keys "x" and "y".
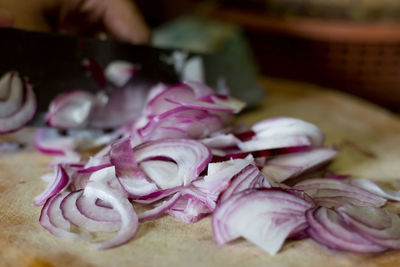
{"x": 53, "y": 64}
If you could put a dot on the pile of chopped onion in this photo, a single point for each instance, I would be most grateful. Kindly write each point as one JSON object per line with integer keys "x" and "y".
{"x": 173, "y": 151}
{"x": 181, "y": 157}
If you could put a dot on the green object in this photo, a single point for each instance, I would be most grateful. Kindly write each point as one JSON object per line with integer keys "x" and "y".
{"x": 226, "y": 48}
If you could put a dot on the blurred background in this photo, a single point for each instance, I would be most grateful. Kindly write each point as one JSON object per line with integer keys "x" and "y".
{"x": 349, "y": 45}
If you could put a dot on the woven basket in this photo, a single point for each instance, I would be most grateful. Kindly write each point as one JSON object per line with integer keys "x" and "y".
{"x": 360, "y": 58}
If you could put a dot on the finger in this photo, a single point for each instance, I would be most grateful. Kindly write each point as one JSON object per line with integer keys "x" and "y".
{"x": 123, "y": 21}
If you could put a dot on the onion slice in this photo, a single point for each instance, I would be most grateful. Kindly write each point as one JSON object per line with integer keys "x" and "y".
{"x": 57, "y": 225}
{"x": 329, "y": 229}
{"x": 248, "y": 177}
{"x": 70, "y": 110}
{"x": 127, "y": 170}
{"x": 189, "y": 210}
{"x": 129, "y": 219}
{"x": 375, "y": 224}
{"x": 335, "y": 193}
{"x": 288, "y": 166}
{"x": 190, "y": 156}
{"x": 58, "y": 183}
{"x": 11, "y": 93}
{"x": 22, "y": 115}
{"x": 286, "y": 126}
{"x": 265, "y": 217}
{"x": 372, "y": 187}
{"x": 119, "y": 72}
{"x": 160, "y": 209}
{"x": 71, "y": 213}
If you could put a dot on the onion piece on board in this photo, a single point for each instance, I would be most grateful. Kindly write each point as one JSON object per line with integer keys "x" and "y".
{"x": 265, "y": 217}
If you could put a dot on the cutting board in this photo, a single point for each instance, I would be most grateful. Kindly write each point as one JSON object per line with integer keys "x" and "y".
{"x": 369, "y": 138}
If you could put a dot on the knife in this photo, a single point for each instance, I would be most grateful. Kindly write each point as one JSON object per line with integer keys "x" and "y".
{"x": 53, "y": 63}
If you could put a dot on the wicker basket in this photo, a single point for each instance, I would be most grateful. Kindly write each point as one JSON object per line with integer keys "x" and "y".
{"x": 360, "y": 58}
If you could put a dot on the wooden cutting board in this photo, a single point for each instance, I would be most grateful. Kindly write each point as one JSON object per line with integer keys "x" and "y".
{"x": 348, "y": 122}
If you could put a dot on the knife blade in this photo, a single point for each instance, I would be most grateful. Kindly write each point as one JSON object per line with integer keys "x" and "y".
{"x": 53, "y": 63}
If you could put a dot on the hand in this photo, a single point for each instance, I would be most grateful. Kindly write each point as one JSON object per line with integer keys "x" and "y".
{"x": 118, "y": 18}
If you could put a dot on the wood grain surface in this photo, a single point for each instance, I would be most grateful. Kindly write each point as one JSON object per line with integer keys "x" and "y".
{"x": 347, "y": 122}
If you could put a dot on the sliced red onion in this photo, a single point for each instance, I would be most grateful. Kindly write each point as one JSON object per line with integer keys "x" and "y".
{"x": 122, "y": 106}
{"x": 161, "y": 172}
{"x": 127, "y": 170}
{"x": 157, "y": 195}
{"x": 329, "y": 229}
{"x": 221, "y": 141}
{"x": 71, "y": 110}
{"x": 377, "y": 225}
{"x": 219, "y": 174}
{"x": 71, "y": 213}
{"x": 160, "y": 209}
{"x": 190, "y": 156}
{"x": 288, "y": 166}
{"x": 100, "y": 158}
{"x": 49, "y": 141}
{"x": 12, "y": 93}
{"x": 58, "y": 226}
{"x": 129, "y": 219}
{"x": 107, "y": 177}
{"x": 155, "y": 161}
{"x": 24, "y": 113}
{"x": 249, "y": 177}
{"x": 155, "y": 91}
{"x": 335, "y": 193}
{"x": 265, "y": 217}
{"x": 92, "y": 209}
{"x": 79, "y": 180}
{"x": 199, "y": 89}
{"x": 227, "y": 154}
{"x": 183, "y": 95}
{"x": 286, "y": 126}
{"x": 187, "y": 123}
{"x": 372, "y": 187}
{"x": 119, "y": 72}
{"x": 229, "y": 102}
{"x": 57, "y": 184}
{"x": 188, "y": 210}
{"x": 95, "y": 168}
{"x": 70, "y": 157}
{"x": 261, "y": 143}
{"x": 158, "y": 104}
